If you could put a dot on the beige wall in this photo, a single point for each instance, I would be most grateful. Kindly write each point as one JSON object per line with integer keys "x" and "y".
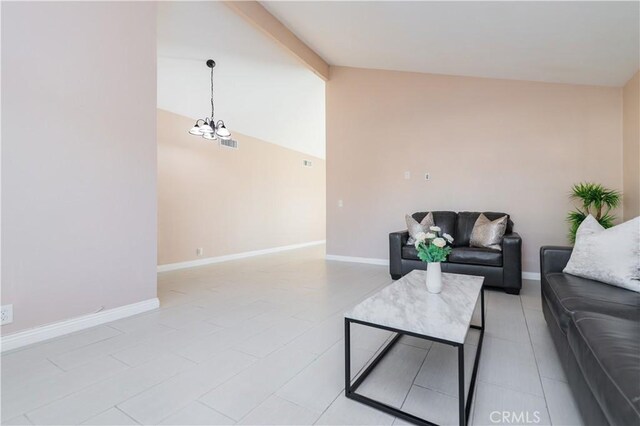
{"x": 488, "y": 144}
{"x": 230, "y": 201}
{"x": 78, "y": 158}
{"x": 631, "y": 150}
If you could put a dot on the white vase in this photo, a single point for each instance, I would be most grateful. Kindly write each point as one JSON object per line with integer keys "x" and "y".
{"x": 434, "y": 277}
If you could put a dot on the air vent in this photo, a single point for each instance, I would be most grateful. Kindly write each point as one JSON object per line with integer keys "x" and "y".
{"x": 307, "y": 163}
{"x": 229, "y": 143}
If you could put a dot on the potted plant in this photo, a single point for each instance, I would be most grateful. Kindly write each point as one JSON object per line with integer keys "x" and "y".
{"x": 433, "y": 249}
{"x": 597, "y": 201}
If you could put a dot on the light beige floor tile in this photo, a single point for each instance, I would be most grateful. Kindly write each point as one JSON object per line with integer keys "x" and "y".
{"x": 219, "y": 341}
{"x": 277, "y": 411}
{"x": 153, "y": 347}
{"x": 344, "y": 411}
{"x": 196, "y": 413}
{"x": 273, "y": 338}
{"x": 530, "y": 295}
{"x": 166, "y": 398}
{"x": 509, "y": 364}
{"x": 440, "y": 370}
{"x": 183, "y": 316}
{"x": 322, "y": 335}
{"x": 392, "y": 378}
{"x": 234, "y": 315}
{"x": 13, "y": 377}
{"x": 536, "y": 324}
{"x": 24, "y": 357}
{"x": 111, "y": 417}
{"x": 20, "y": 420}
{"x": 92, "y": 400}
{"x": 368, "y": 338}
{"x": 502, "y": 406}
{"x": 244, "y": 392}
{"x": 208, "y": 310}
{"x": 548, "y": 360}
{"x": 433, "y": 406}
{"x": 22, "y": 399}
{"x": 507, "y": 324}
{"x": 320, "y": 383}
{"x": 77, "y": 357}
{"x": 563, "y": 409}
{"x": 416, "y": 342}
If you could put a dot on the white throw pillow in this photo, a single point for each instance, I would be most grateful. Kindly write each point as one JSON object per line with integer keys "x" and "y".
{"x": 608, "y": 255}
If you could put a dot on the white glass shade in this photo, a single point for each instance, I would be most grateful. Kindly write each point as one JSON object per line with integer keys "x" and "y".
{"x": 205, "y": 129}
{"x": 195, "y": 130}
{"x": 222, "y": 131}
{"x": 210, "y": 136}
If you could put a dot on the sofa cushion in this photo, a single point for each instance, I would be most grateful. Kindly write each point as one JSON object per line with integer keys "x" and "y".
{"x": 467, "y": 255}
{"x": 567, "y": 294}
{"x": 409, "y": 252}
{"x": 608, "y": 353}
{"x": 445, "y": 220}
{"x": 476, "y": 256}
{"x": 465, "y": 222}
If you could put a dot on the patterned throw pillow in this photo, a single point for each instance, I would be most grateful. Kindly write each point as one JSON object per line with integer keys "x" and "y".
{"x": 414, "y": 227}
{"x": 609, "y": 255}
{"x": 487, "y": 233}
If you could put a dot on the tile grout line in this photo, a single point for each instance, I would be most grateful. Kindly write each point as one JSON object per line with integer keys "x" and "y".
{"x": 118, "y": 408}
{"x": 535, "y": 358}
{"x": 413, "y": 382}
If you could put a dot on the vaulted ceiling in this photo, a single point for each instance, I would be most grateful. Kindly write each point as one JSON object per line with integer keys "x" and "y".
{"x": 594, "y": 43}
{"x": 260, "y": 89}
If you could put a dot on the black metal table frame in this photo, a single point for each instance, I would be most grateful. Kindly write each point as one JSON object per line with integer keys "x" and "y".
{"x": 350, "y": 388}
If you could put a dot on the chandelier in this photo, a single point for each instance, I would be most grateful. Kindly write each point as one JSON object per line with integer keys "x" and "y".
{"x": 208, "y": 128}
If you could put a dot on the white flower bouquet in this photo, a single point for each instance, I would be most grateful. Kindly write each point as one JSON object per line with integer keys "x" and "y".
{"x": 432, "y": 247}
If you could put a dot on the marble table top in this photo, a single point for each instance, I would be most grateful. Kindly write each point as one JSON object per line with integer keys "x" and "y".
{"x": 406, "y": 305}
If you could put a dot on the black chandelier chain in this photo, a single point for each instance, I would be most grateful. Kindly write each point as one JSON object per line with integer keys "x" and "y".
{"x": 212, "y": 107}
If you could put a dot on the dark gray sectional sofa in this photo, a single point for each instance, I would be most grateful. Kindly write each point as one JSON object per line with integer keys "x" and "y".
{"x": 596, "y": 329}
{"x": 499, "y": 268}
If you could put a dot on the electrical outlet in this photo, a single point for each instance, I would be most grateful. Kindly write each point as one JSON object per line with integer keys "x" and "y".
{"x": 407, "y": 175}
{"x": 340, "y": 203}
{"x": 199, "y": 251}
{"x": 6, "y": 314}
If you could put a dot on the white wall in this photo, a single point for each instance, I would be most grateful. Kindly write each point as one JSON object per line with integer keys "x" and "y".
{"x": 260, "y": 89}
{"x": 489, "y": 145}
{"x": 78, "y": 158}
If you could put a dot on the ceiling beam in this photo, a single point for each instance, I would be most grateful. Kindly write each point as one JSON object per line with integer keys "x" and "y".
{"x": 259, "y": 17}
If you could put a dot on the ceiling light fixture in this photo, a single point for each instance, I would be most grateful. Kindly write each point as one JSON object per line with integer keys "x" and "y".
{"x": 208, "y": 128}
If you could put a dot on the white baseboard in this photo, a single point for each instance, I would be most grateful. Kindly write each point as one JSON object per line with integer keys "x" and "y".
{"x": 56, "y": 329}
{"x": 385, "y": 262}
{"x": 368, "y": 260}
{"x": 235, "y": 256}
{"x": 531, "y": 276}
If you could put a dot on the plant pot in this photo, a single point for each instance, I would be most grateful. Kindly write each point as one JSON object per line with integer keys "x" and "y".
{"x": 434, "y": 277}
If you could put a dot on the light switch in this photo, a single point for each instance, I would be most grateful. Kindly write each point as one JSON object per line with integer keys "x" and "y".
{"x": 427, "y": 176}
{"x": 407, "y": 175}
{"x": 340, "y": 203}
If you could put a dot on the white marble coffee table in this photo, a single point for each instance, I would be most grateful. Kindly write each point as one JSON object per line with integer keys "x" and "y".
{"x": 407, "y": 308}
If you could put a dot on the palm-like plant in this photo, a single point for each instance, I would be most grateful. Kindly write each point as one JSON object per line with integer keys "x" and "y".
{"x": 597, "y": 201}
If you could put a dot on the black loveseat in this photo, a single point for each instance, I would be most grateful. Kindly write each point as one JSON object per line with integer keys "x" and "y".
{"x": 499, "y": 268}
{"x": 596, "y": 330}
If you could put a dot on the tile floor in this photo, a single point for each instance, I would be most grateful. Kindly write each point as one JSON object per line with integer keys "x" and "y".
{"x": 259, "y": 341}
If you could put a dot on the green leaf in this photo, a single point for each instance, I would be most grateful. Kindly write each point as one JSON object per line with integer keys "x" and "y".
{"x": 594, "y": 197}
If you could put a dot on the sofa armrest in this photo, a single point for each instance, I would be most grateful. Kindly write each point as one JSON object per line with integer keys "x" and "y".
{"x": 396, "y": 241}
{"x": 554, "y": 258}
{"x": 512, "y": 261}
